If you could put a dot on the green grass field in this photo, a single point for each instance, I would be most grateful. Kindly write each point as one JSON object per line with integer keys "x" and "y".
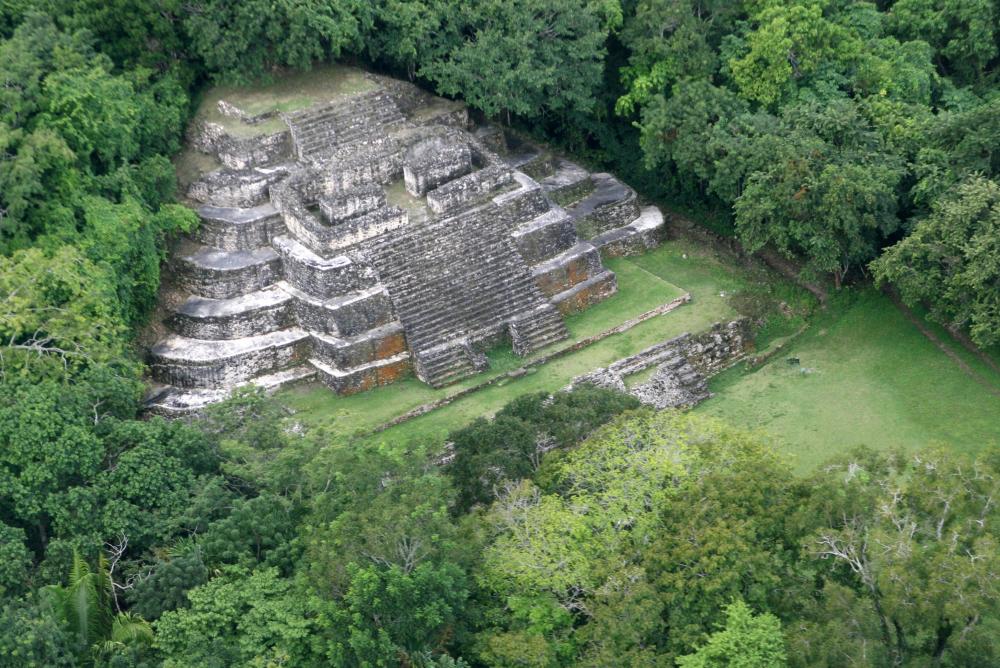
{"x": 866, "y": 376}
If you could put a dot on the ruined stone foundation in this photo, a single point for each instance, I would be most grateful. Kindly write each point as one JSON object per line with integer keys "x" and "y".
{"x": 380, "y": 233}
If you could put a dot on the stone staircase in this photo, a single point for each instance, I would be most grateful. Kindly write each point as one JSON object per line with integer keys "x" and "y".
{"x": 533, "y": 331}
{"x": 456, "y": 281}
{"x": 449, "y": 362}
{"x": 323, "y": 129}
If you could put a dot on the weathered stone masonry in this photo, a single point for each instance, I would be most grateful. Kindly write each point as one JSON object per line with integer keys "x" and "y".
{"x": 682, "y": 366}
{"x": 381, "y": 233}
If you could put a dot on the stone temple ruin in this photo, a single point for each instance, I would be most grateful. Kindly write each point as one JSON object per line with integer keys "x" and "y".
{"x": 680, "y": 366}
{"x": 375, "y": 234}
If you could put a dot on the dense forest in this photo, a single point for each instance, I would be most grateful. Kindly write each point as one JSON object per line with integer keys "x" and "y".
{"x": 860, "y": 139}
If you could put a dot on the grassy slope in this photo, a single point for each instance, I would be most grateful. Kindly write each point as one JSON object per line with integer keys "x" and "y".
{"x": 874, "y": 380}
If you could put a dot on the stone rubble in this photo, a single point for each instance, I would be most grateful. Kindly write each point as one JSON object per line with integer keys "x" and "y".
{"x": 682, "y": 364}
{"x": 381, "y": 233}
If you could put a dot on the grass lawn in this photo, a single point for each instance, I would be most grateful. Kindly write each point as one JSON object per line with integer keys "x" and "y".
{"x": 866, "y": 376}
{"x": 644, "y": 283}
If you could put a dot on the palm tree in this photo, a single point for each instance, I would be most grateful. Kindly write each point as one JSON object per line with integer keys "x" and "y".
{"x": 84, "y": 605}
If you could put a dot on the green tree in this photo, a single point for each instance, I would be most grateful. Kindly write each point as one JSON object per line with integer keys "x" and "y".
{"x": 829, "y": 195}
{"x": 241, "y": 618}
{"x": 15, "y": 561}
{"x": 951, "y": 261}
{"x": 631, "y": 514}
{"x": 390, "y": 616}
{"x": 790, "y": 42}
{"x": 964, "y": 33}
{"x": 84, "y": 605}
{"x": 521, "y": 57}
{"x": 746, "y": 641}
{"x": 916, "y": 540}
{"x": 242, "y": 42}
{"x": 669, "y": 41}
{"x": 31, "y": 637}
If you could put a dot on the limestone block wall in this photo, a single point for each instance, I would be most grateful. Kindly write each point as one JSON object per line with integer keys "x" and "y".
{"x": 526, "y": 200}
{"x": 347, "y": 315}
{"x": 237, "y": 189}
{"x": 434, "y": 162}
{"x": 620, "y": 210}
{"x": 682, "y": 365}
{"x": 469, "y": 190}
{"x": 319, "y": 277}
{"x": 379, "y": 343}
{"x": 213, "y": 274}
{"x": 346, "y": 204}
{"x": 231, "y": 110}
{"x": 202, "y": 365}
{"x": 236, "y": 229}
{"x": 715, "y": 349}
{"x": 255, "y": 151}
{"x": 254, "y": 314}
{"x": 545, "y": 236}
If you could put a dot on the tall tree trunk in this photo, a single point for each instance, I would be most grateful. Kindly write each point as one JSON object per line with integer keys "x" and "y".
{"x": 943, "y": 634}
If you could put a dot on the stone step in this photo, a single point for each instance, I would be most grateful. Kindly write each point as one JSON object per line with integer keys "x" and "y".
{"x": 363, "y": 377}
{"x": 253, "y": 314}
{"x": 219, "y": 274}
{"x": 586, "y": 293}
{"x": 170, "y": 401}
{"x": 448, "y": 363}
{"x": 568, "y": 184}
{"x": 568, "y": 268}
{"x": 545, "y": 236}
{"x": 612, "y": 204}
{"x": 537, "y": 330}
{"x": 235, "y": 229}
{"x": 642, "y": 234}
{"x": 186, "y": 362}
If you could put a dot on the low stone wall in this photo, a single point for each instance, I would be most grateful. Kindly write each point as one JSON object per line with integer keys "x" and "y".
{"x": 240, "y": 152}
{"x": 709, "y": 351}
{"x": 683, "y": 364}
{"x": 340, "y": 206}
{"x": 468, "y": 190}
{"x": 434, "y": 162}
{"x": 232, "y": 111}
{"x": 366, "y": 377}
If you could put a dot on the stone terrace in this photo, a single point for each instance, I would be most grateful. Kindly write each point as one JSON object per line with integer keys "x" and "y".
{"x": 303, "y": 267}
